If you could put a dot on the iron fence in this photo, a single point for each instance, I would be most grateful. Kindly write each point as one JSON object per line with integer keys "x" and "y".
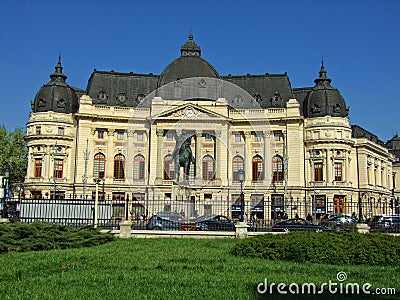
{"x": 259, "y": 213}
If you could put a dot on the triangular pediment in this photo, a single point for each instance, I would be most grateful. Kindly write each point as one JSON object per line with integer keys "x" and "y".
{"x": 189, "y": 111}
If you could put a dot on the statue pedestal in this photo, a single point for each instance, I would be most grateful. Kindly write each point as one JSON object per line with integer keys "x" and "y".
{"x": 181, "y": 191}
{"x": 241, "y": 230}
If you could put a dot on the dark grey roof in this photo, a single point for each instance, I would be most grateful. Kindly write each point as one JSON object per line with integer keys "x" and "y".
{"x": 189, "y": 65}
{"x": 120, "y": 89}
{"x": 269, "y": 90}
{"x": 56, "y": 95}
{"x": 324, "y": 100}
{"x": 359, "y": 132}
{"x": 393, "y": 145}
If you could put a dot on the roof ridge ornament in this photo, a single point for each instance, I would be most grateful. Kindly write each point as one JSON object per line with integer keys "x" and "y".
{"x": 58, "y": 74}
{"x": 322, "y": 79}
{"x": 190, "y": 48}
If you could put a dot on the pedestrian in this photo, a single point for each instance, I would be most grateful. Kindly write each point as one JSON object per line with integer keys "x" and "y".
{"x": 296, "y": 216}
{"x": 285, "y": 215}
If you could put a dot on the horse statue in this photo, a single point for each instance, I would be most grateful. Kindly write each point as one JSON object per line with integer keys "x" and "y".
{"x": 183, "y": 156}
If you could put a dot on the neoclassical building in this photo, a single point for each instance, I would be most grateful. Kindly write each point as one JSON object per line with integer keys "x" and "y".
{"x": 296, "y": 146}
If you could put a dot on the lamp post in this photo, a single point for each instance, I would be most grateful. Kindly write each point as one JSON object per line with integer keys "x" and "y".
{"x": 241, "y": 179}
{"x": 6, "y": 190}
{"x": 96, "y": 203}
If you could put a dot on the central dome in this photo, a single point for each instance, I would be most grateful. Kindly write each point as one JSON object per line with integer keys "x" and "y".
{"x": 190, "y": 64}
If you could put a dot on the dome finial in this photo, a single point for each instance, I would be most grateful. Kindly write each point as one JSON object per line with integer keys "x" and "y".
{"x": 190, "y": 48}
{"x": 322, "y": 75}
{"x": 58, "y": 74}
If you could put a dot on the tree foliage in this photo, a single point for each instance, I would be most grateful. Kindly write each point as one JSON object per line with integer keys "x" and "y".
{"x": 13, "y": 153}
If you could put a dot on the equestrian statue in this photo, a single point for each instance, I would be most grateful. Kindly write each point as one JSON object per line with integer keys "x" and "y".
{"x": 183, "y": 157}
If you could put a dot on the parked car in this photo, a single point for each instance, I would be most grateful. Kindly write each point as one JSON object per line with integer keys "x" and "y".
{"x": 385, "y": 223}
{"x": 339, "y": 222}
{"x": 165, "y": 221}
{"x": 215, "y": 222}
{"x": 298, "y": 224}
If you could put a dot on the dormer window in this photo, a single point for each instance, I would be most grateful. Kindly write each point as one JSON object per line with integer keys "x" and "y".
{"x": 316, "y": 108}
{"x": 61, "y": 103}
{"x": 276, "y": 100}
{"x": 41, "y": 103}
{"x": 121, "y": 98}
{"x": 102, "y": 96}
{"x": 336, "y": 108}
{"x": 140, "y": 98}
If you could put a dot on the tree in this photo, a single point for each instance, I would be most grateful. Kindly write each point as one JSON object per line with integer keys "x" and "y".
{"x": 13, "y": 153}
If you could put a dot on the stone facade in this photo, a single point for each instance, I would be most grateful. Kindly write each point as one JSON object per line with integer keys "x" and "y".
{"x": 285, "y": 154}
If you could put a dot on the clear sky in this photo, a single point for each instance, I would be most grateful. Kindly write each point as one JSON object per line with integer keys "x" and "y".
{"x": 359, "y": 41}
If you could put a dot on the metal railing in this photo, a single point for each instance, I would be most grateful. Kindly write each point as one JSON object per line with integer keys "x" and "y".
{"x": 260, "y": 215}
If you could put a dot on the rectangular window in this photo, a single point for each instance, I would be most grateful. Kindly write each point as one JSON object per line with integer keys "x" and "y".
{"x": 258, "y": 137}
{"x": 238, "y": 137}
{"x": 58, "y": 168}
{"x": 208, "y": 137}
{"x": 38, "y": 130}
{"x": 38, "y": 168}
{"x": 140, "y": 136}
{"x": 169, "y": 136}
{"x": 100, "y": 134}
{"x": 338, "y": 172}
{"x": 60, "y": 130}
{"x": 277, "y": 136}
{"x": 120, "y": 135}
{"x": 318, "y": 174}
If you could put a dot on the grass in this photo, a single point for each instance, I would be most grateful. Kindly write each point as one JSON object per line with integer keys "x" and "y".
{"x": 166, "y": 268}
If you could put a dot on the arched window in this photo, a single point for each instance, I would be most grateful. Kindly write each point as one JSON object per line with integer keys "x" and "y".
{"x": 99, "y": 165}
{"x": 257, "y": 168}
{"x": 169, "y": 168}
{"x": 119, "y": 166}
{"x": 138, "y": 167}
{"x": 237, "y": 164}
{"x": 277, "y": 168}
{"x": 208, "y": 167}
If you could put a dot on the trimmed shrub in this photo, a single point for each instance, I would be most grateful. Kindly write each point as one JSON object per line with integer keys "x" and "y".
{"x": 328, "y": 248}
{"x": 22, "y": 237}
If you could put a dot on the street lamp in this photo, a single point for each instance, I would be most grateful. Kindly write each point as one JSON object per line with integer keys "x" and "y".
{"x": 241, "y": 179}
{"x": 96, "y": 203}
{"x": 6, "y": 190}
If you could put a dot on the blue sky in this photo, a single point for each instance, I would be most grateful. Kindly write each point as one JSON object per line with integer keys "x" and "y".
{"x": 359, "y": 40}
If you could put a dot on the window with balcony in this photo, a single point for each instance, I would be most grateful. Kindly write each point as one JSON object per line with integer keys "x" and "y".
{"x": 99, "y": 165}
{"x": 277, "y": 168}
{"x": 58, "y": 168}
{"x": 169, "y": 168}
{"x": 119, "y": 166}
{"x": 237, "y": 164}
{"x": 318, "y": 171}
{"x": 208, "y": 167}
{"x": 138, "y": 167}
{"x": 338, "y": 172}
{"x": 38, "y": 168}
{"x": 257, "y": 168}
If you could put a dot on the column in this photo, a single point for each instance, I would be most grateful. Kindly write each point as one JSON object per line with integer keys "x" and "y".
{"x": 198, "y": 177}
{"x": 328, "y": 166}
{"x": 110, "y": 154}
{"x": 159, "y": 166}
{"x": 129, "y": 155}
{"x": 217, "y": 156}
{"x": 247, "y": 156}
{"x": 267, "y": 171}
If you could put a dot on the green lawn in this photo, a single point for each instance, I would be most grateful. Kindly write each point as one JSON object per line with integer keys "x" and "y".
{"x": 167, "y": 268}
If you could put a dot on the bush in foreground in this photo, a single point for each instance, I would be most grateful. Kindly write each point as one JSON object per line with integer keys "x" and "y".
{"x": 328, "y": 248}
{"x": 22, "y": 237}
